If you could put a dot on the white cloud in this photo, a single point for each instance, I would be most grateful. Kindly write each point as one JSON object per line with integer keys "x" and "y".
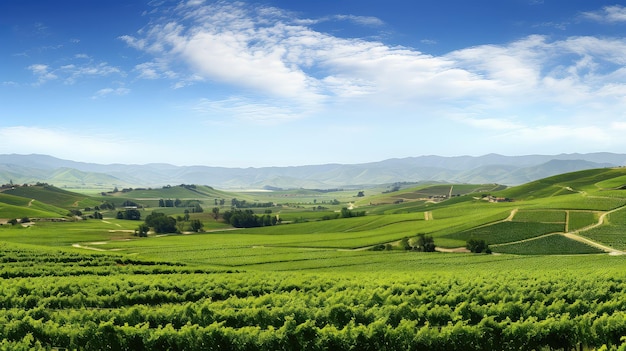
{"x": 608, "y": 14}
{"x": 110, "y": 91}
{"x": 362, "y": 20}
{"x": 71, "y": 73}
{"x": 267, "y": 112}
{"x": 275, "y": 56}
{"x": 42, "y": 72}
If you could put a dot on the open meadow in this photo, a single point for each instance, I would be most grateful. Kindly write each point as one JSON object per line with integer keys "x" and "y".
{"x": 338, "y": 272}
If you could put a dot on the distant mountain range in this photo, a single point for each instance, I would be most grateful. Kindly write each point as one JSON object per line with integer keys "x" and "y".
{"x": 491, "y": 168}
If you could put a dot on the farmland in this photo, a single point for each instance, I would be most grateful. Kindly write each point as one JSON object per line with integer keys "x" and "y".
{"x": 317, "y": 281}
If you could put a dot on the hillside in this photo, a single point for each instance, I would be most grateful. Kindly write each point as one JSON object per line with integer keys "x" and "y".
{"x": 18, "y": 207}
{"x": 577, "y": 212}
{"x": 320, "y": 273}
{"x": 509, "y": 170}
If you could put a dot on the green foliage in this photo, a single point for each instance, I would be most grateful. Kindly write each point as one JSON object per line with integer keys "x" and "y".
{"x": 142, "y": 230}
{"x": 129, "y": 214}
{"x": 56, "y": 299}
{"x": 424, "y": 243}
{"x": 161, "y": 223}
{"x": 477, "y": 246}
{"x": 247, "y": 219}
{"x": 346, "y": 213}
{"x": 324, "y": 284}
{"x": 196, "y": 225}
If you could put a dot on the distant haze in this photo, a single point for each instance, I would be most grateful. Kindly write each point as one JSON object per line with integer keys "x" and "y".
{"x": 490, "y": 168}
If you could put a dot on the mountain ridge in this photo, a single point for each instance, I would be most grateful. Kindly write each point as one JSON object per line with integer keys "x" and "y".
{"x": 490, "y": 168}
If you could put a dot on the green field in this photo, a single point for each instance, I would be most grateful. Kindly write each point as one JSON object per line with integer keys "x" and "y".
{"x": 310, "y": 283}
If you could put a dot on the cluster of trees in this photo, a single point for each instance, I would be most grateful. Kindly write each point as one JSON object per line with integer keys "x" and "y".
{"x": 423, "y": 243}
{"x": 170, "y": 203}
{"x": 105, "y": 205}
{"x": 163, "y": 224}
{"x": 247, "y": 219}
{"x": 346, "y": 213}
{"x": 15, "y": 221}
{"x": 234, "y": 203}
{"x": 193, "y": 205}
{"x": 477, "y": 246}
{"x": 129, "y": 214}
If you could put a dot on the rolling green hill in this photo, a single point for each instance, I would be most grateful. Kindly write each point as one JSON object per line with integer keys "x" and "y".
{"x": 19, "y": 207}
{"x": 344, "y": 283}
{"x": 53, "y": 196}
{"x": 575, "y": 208}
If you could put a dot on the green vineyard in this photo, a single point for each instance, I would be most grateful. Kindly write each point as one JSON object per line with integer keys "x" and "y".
{"x": 555, "y": 280}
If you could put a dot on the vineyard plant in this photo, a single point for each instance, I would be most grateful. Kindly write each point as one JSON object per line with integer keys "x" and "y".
{"x": 556, "y": 279}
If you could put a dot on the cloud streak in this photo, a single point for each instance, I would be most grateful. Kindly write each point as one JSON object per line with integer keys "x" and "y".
{"x": 608, "y": 14}
{"x": 71, "y": 73}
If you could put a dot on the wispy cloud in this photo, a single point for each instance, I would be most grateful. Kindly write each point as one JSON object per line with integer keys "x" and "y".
{"x": 266, "y": 112}
{"x": 42, "y": 72}
{"x": 361, "y": 20}
{"x": 71, "y": 73}
{"x": 608, "y": 14}
{"x": 110, "y": 91}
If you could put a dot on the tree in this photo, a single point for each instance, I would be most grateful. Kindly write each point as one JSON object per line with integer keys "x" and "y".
{"x": 161, "y": 223}
{"x": 360, "y": 194}
{"x": 216, "y": 212}
{"x": 477, "y": 246}
{"x": 196, "y": 225}
{"x": 142, "y": 230}
{"x": 404, "y": 244}
{"x": 130, "y": 214}
{"x": 186, "y": 217}
{"x": 425, "y": 243}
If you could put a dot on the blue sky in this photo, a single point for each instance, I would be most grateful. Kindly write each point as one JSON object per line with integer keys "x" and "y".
{"x": 285, "y": 83}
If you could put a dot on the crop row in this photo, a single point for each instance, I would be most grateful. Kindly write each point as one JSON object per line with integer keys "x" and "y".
{"x": 555, "y": 244}
{"x": 505, "y": 232}
{"x": 505, "y": 311}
